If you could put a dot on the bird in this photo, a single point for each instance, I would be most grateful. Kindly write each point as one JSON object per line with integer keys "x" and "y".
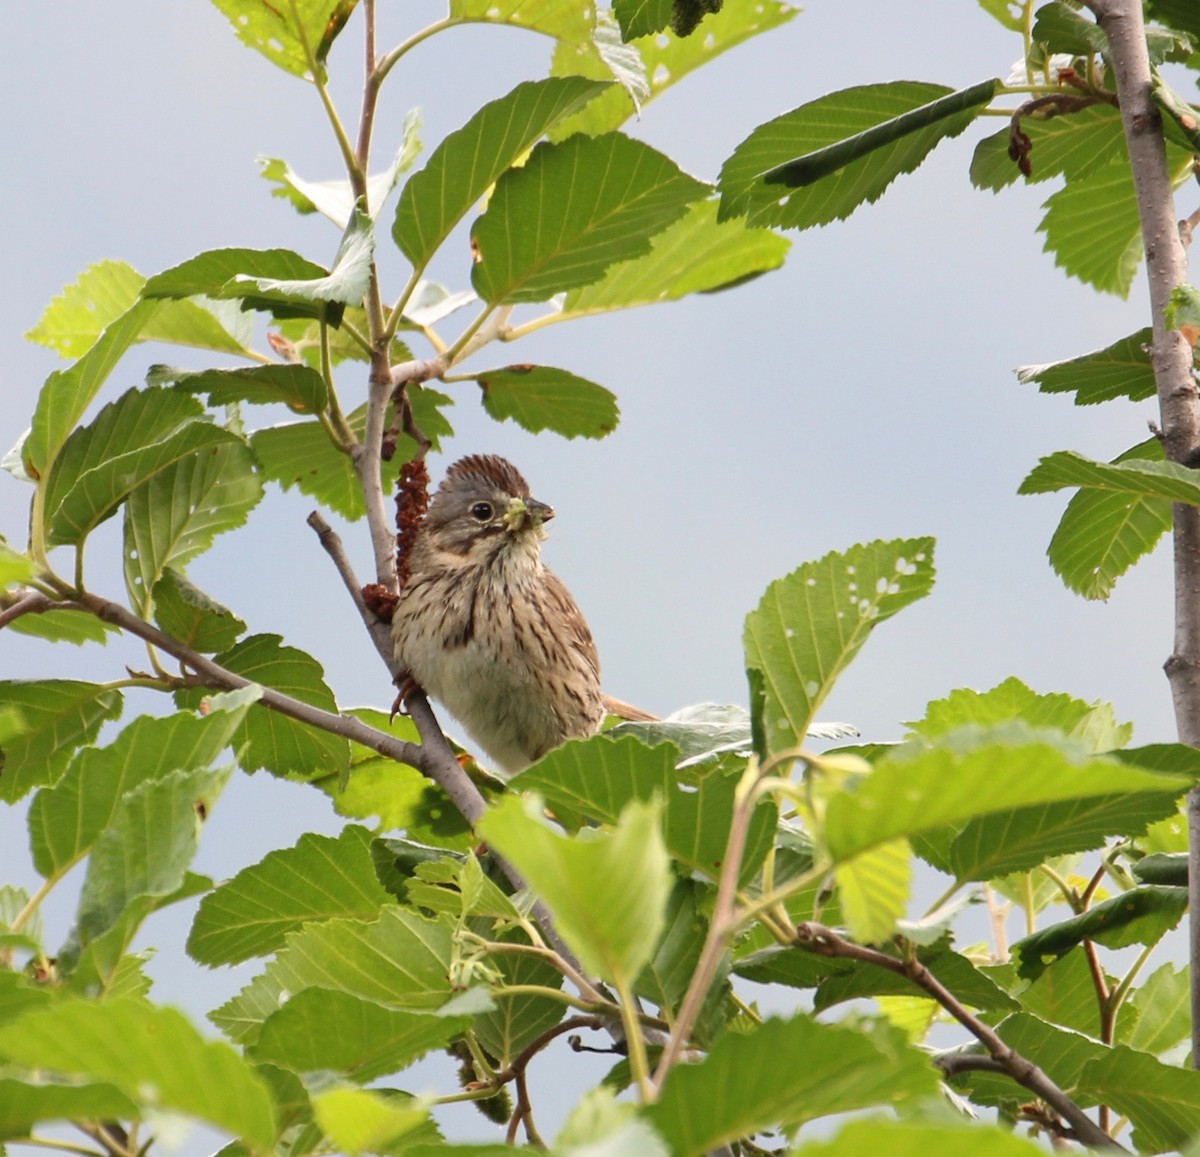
{"x": 487, "y": 629}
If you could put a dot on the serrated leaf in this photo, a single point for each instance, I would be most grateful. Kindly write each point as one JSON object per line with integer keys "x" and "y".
{"x": 906, "y": 794}
{"x": 321, "y": 1030}
{"x": 1102, "y": 533}
{"x": 1020, "y": 840}
{"x": 1065, "y": 994}
{"x": 186, "y": 613}
{"x": 1162, "y": 1101}
{"x": 64, "y": 626}
{"x": 641, "y": 17}
{"x": 145, "y": 850}
{"x": 336, "y": 199}
{"x": 300, "y": 454}
{"x": 518, "y": 1020}
{"x": 175, "y": 515}
{"x": 468, "y": 162}
{"x": 1142, "y": 915}
{"x": 873, "y": 889}
{"x": 1163, "y": 1005}
{"x": 141, "y": 434}
{"x": 572, "y": 210}
{"x": 267, "y": 739}
{"x": 1065, "y": 468}
{"x": 810, "y": 625}
{"x": 596, "y": 778}
{"x": 66, "y": 394}
{"x": 613, "y": 930}
{"x": 72, "y": 322}
{"x": 366, "y": 1121}
{"x": 664, "y": 60}
{"x": 57, "y": 716}
{"x": 65, "y": 820}
{"x": 287, "y": 33}
{"x": 695, "y": 255}
{"x": 25, "y": 1103}
{"x": 917, "y": 1137}
{"x": 1092, "y": 226}
{"x": 561, "y": 19}
{"x": 1013, "y": 701}
{"x": 153, "y": 1055}
{"x": 1072, "y": 144}
{"x": 235, "y": 273}
{"x": 544, "y": 398}
{"x": 297, "y": 386}
{"x": 782, "y": 1072}
{"x": 1061, "y": 28}
{"x": 1121, "y": 370}
{"x": 869, "y": 117}
{"x": 320, "y": 878}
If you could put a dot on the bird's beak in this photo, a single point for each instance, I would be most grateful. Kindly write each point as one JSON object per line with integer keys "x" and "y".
{"x": 525, "y": 513}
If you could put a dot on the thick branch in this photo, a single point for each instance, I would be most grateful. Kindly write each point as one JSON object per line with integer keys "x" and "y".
{"x": 1171, "y": 358}
{"x": 824, "y": 942}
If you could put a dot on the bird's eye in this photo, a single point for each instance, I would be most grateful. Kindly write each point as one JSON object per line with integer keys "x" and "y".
{"x": 482, "y": 511}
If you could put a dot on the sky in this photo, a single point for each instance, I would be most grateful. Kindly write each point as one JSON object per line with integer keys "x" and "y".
{"x": 864, "y": 391}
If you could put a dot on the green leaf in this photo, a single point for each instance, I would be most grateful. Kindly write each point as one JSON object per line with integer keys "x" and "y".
{"x": 65, "y": 820}
{"x": 1021, "y": 839}
{"x": 72, "y": 322}
{"x": 1092, "y": 227}
{"x": 1121, "y": 370}
{"x": 918, "y": 1138}
{"x": 273, "y": 741}
{"x": 286, "y": 33}
{"x": 297, "y": 386}
{"x": 810, "y": 625}
{"x": 783, "y": 1072}
{"x": 1010, "y": 13}
{"x": 186, "y": 613}
{"x": 67, "y": 393}
{"x": 596, "y": 778}
{"x": 153, "y": 1055}
{"x": 544, "y": 398}
{"x": 907, "y": 794}
{"x": 518, "y": 1020}
{"x": 58, "y": 716}
{"x": 1102, "y": 533}
{"x": 1178, "y": 14}
{"x": 572, "y": 210}
{"x": 1012, "y": 701}
{"x": 1163, "y": 1007}
{"x": 1064, "y": 468}
{"x": 318, "y": 879}
{"x": 236, "y": 274}
{"x": 1162, "y": 868}
{"x": 1142, "y": 915}
{"x": 642, "y": 17}
{"x": 336, "y": 199}
{"x": 1162, "y": 1101}
{"x": 146, "y": 848}
{"x": 873, "y": 889}
{"x": 561, "y": 19}
{"x": 15, "y": 569}
{"x": 345, "y": 284}
{"x": 695, "y": 255}
{"x": 614, "y": 930}
{"x": 665, "y": 978}
{"x": 1184, "y": 307}
{"x": 1065, "y": 993}
{"x": 810, "y": 168}
{"x": 25, "y": 1103}
{"x": 664, "y": 60}
{"x": 321, "y": 1030}
{"x": 469, "y": 161}
{"x": 174, "y": 515}
{"x": 366, "y": 1121}
{"x": 1062, "y": 29}
{"x": 141, "y": 434}
{"x": 64, "y": 626}
{"x": 869, "y": 135}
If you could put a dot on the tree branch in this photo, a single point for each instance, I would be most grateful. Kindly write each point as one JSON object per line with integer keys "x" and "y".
{"x": 1171, "y": 358}
{"x": 33, "y": 603}
{"x": 823, "y": 941}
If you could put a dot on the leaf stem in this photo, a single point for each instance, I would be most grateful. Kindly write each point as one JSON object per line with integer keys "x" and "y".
{"x": 634, "y": 1041}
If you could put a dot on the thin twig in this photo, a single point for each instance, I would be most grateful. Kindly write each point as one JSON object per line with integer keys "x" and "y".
{"x": 34, "y": 603}
{"x": 822, "y": 941}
